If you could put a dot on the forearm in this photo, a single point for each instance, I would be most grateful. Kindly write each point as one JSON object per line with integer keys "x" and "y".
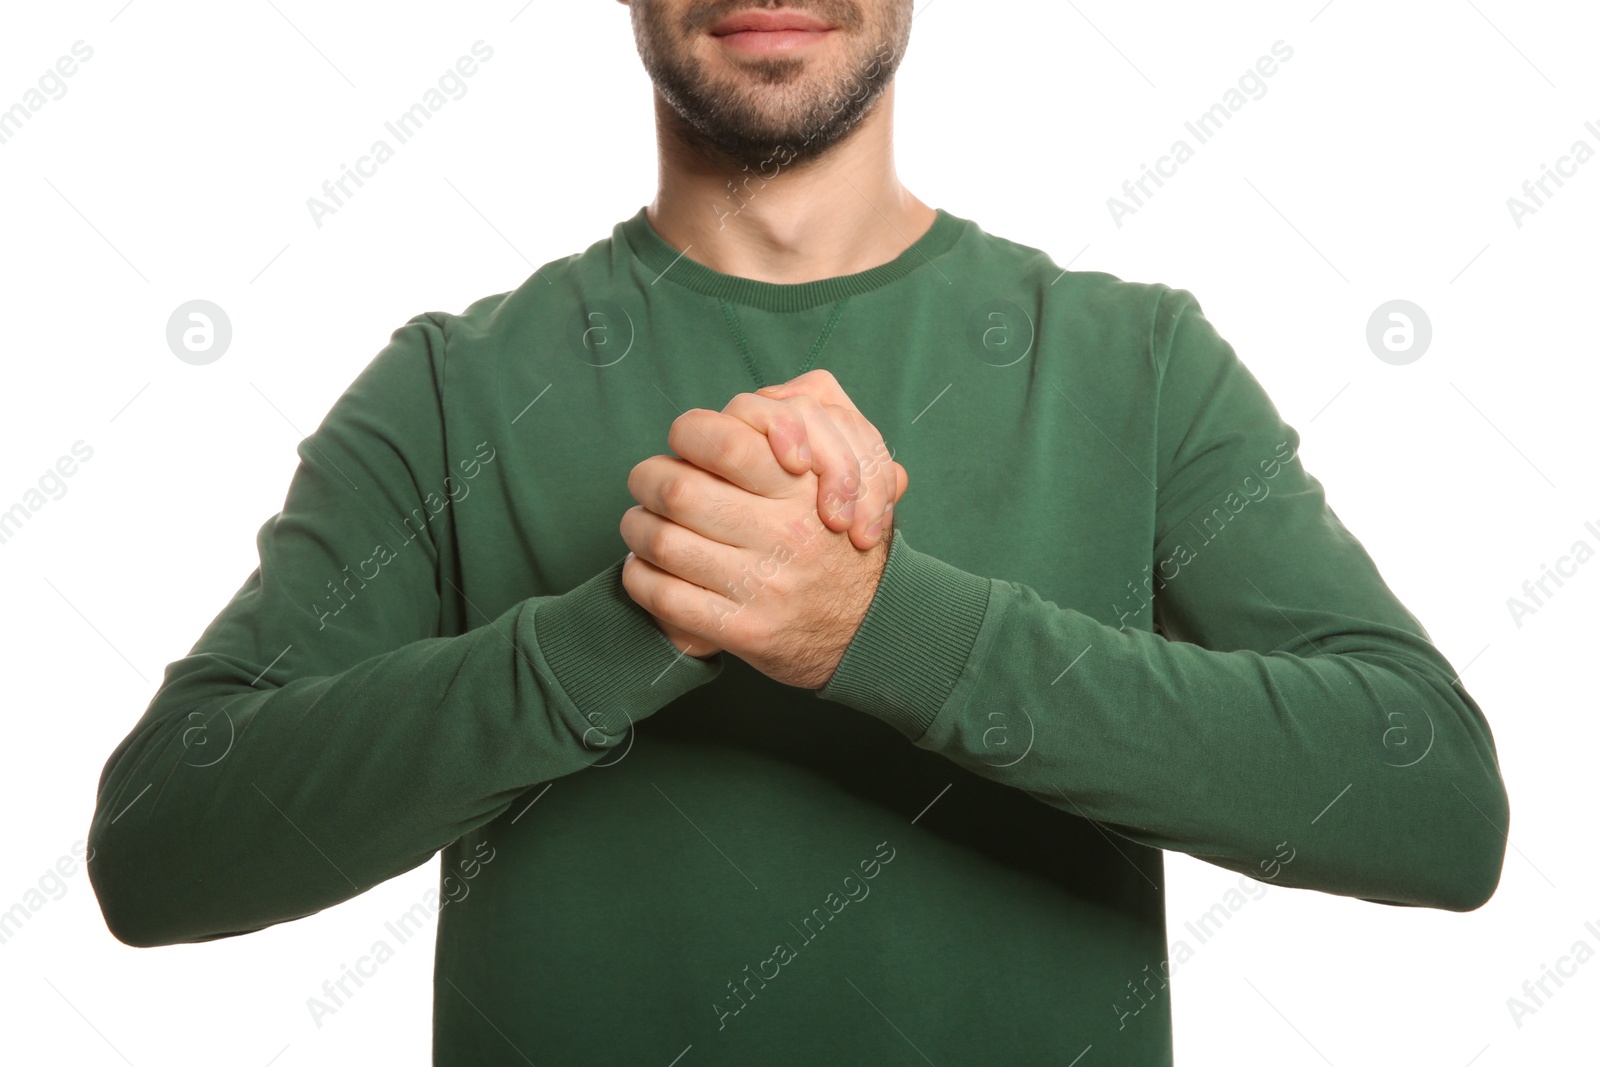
{"x": 232, "y": 806}
{"x": 1222, "y": 755}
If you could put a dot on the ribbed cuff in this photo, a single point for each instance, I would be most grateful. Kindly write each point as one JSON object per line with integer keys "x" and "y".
{"x": 608, "y": 656}
{"x": 914, "y": 643}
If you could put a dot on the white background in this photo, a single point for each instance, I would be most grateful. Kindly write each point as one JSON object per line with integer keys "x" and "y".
{"x": 1377, "y": 166}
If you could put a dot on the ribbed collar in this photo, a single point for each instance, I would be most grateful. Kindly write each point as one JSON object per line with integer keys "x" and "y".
{"x": 667, "y": 264}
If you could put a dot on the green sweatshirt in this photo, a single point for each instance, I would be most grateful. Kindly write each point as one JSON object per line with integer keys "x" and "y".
{"x": 1117, "y": 616}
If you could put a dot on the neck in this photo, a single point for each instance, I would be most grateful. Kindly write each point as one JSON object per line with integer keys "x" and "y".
{"x": 843, "y": 213}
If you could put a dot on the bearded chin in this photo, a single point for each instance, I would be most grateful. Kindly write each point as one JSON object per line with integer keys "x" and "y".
{"x": 725, "y": 117}
{"x": 728, "y": 124}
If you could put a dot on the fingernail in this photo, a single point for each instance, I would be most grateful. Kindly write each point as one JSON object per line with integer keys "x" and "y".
{"x": 848, "y": 512}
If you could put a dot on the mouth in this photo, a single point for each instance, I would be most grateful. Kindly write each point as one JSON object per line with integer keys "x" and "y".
{"x": 769, "y": 31}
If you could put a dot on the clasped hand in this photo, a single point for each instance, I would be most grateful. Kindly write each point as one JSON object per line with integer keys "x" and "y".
{"x": 766, "y": 534}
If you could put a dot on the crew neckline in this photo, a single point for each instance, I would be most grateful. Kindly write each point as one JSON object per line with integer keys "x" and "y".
{"x": 668, "y": 264}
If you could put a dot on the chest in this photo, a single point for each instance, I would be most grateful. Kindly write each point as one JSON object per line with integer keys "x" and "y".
{"x": 1037, "y": 468}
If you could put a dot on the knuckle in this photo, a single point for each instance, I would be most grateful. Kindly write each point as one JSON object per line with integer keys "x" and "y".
{"x": 844, "y": 417}
{"x": 748, "y": 407}
{"x": 877, "y": 448}
{"x": 665, "y": 602}
{"x": 755, "y": 629}
{"x": 694, "y": 420}
{"x": 658, "y": 543}
{"x": 850, "y": 473}
{"x": 681, "y": 430}
{"x": 643, "y": 592}
{"x": 749, "y": 451}
{"x": 677, "y": 495}
{"x": 774, "y": 584}
{"x": 806, "y": 403}
{"x": 735, "y": 629}
{"x": 828, "y": 501}
{"x": 788, "y": 420}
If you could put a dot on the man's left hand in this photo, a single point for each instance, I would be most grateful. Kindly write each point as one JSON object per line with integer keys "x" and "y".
{"x": 727, "y": 545}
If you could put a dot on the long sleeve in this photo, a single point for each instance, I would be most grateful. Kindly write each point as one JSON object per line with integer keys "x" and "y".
{"x": 311, "y": 746}
{"x": 1288, "y": 700}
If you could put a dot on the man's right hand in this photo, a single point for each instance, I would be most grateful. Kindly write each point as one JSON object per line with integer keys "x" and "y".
{"x": 687, "y": 643}
{"x": 813, "y": 425}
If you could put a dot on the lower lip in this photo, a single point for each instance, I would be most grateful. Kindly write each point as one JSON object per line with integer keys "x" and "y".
{"x": 771, "y": 40}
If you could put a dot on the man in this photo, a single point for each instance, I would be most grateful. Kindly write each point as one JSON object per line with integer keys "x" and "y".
{"x": 791, "y": 782}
